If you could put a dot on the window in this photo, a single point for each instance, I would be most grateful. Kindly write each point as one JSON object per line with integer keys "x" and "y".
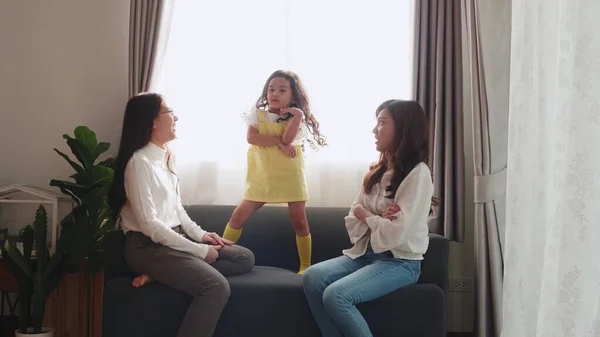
{"x": 351, "y": 56}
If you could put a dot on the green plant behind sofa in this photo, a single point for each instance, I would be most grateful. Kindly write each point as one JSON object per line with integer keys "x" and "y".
{"x": 84, "y": 228}
{"x": 89, "y": 220}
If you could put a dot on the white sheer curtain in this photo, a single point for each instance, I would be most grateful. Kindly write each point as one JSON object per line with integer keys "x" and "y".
{"x": 351, "y": 55}
{"x": 552, "y": 267}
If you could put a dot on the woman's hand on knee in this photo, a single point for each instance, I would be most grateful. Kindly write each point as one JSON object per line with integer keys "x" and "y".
{"x": 215, "y": 239}
{"x": 213, "y": 254}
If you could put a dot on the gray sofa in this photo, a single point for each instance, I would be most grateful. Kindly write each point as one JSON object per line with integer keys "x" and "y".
{"x": 270, "y": 301}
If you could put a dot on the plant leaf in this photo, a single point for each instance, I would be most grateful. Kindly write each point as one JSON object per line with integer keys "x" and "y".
{"x": 54, "y": 263}
{"x": 107, "y": 226}
{"x": 53, "y": 281}
{"x": 87, "y": 137}
{"x": 73, "y": 164}
{"x": 81, "y": 152}
{"x": 38, "y": 303}
{"x": 40, "y": 231}
{"x": 103, "y": 214}
{"x": 70, "y": 189}
{"x": 97, "y": 175}
{"x": 97, "y": 181}
{"x": 77, "y": 231}
{"x": 27, "y": 238}
{"x": 108, "y": 162}
{"x": 100, "y": 149}
{"x": 54, "y": 272}
{"x": 84, "y": 229}
{"x": 17, "y": 262}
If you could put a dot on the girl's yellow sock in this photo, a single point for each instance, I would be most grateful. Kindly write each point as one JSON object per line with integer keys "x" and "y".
{"x": 232, "y": 234}
{"x": 304, "y": 244}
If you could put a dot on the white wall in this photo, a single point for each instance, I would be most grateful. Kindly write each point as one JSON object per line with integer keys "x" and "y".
{"x": 63, "y": 63}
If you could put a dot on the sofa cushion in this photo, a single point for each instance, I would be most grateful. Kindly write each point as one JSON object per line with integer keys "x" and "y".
{"x": 267, "y": 301}
{"x": 269, "y": 234}
{"x": 415, "y": 311}
{"x": 151, "y": 310}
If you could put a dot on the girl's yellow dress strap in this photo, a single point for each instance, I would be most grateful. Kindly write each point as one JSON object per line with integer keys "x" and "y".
{"x": 261, "y": 115}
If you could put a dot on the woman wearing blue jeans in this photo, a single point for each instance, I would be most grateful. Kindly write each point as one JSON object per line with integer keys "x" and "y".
{"x": 387, "y": 225}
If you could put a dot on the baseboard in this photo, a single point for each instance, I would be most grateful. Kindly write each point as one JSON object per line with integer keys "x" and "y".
{"x": 460, "y": 334}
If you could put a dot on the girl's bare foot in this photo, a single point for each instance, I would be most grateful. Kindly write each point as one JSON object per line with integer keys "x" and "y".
{"x": 141, "y": 280}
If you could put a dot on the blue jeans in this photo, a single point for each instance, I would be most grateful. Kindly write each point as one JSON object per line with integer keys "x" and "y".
{"x": 334, "y": 287}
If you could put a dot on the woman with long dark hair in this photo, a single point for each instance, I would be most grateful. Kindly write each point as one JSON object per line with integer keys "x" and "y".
{"x": 387, "y": 225}
{"x": 162, "y": 242}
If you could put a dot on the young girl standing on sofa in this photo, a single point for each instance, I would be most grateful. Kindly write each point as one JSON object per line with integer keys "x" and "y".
{"x": 277, "y": 128}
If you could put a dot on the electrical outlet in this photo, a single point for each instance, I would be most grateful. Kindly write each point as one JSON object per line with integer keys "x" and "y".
{"x": 463, "y": 285}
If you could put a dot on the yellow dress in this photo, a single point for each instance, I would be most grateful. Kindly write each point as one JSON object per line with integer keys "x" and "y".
{"x": 273, "y": 176}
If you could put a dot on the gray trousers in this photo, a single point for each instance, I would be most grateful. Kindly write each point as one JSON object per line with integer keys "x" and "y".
{"x": 191, "y": 275}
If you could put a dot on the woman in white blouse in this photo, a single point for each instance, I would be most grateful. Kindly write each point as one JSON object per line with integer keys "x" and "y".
{"x": 387, "y": 225}
{"x": 162, "y": 242}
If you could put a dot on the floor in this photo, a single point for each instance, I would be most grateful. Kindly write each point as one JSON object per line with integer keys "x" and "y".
{"x": 8, "y": 327}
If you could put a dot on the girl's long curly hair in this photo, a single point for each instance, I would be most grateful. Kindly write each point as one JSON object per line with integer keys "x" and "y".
{"x": 301, "y": 101}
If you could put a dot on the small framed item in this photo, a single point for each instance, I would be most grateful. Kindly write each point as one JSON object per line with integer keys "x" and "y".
{"x": 18, "y": 204}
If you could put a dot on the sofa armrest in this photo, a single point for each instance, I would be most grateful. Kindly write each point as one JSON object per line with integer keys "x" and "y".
{"x": 434, "y": 267}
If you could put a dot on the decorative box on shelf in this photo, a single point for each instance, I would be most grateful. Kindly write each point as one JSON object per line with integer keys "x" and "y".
{"x": 18, "y": 204}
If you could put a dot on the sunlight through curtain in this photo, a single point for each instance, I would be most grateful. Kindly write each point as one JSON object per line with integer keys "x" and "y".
{"x": 351, "y": 55}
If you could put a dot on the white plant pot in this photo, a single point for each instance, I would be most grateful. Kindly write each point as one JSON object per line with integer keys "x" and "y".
{"x": 46, "y": 332}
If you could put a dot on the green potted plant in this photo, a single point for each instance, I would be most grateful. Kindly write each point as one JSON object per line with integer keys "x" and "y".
{"x": 38, "y": 274}
{"x": 84, "y": 228}
{"x": 81, "y": 237}
{"x": 89, "y": 191}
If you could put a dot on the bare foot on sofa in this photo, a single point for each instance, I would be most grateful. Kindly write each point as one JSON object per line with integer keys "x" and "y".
{"x": 141, "y": 280}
